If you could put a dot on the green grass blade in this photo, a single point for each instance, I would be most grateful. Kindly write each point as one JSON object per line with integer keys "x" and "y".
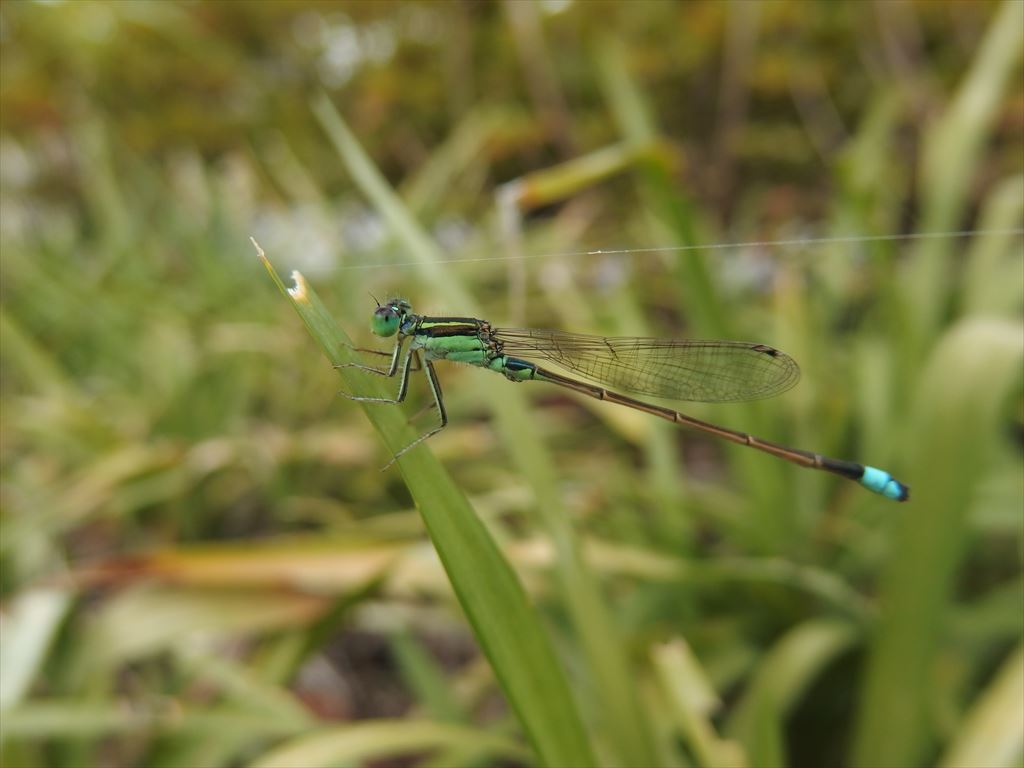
{"x": 693, "y": 701}
{"x": 379, "y": 740}
{"x": 992, "y": 735}
{"x": 617, "y": 701}
{"x": 425, "y": 678}
{"x": 951, "y": 158}
{"x": 782, "y": 678}
{"x": 31, "y": 622}
{"x": 993, "y": 281}
{"x": 695, "y": 283}
{"x": 504, "y": 623}
{"x": 629, "y": 107}
{"x": 955, "y": 429}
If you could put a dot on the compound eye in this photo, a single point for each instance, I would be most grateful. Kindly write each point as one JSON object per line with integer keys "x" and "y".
{"x": 385, "y": 322}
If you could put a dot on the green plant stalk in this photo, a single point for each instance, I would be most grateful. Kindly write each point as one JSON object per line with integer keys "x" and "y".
{"x": 958, "y": 403}
{"x": 950, "y": 158}
{"x": 617, "y": 702}
{"x": 692, "y": 701}
{"x": 993, "y": 282}
{"x": 556, "y": 184}
{"x": 494, "y": 601}
{"x": 378, "y": 740}
{"x": 991, "y": 734}
{"x": 782, "y": 679}
{"x": 774, "y": 522}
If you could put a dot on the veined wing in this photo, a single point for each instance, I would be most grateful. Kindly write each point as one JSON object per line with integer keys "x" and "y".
{"x": 706, "y": 371}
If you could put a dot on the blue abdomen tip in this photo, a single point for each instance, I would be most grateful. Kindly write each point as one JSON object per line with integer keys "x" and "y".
{"x": 881, "y": 482}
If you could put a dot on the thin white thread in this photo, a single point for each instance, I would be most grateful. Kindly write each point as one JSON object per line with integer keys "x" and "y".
{"x": 710, "y": 247}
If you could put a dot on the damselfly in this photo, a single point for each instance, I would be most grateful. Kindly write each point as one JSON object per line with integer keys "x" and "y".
{"x": 705, "y": 371}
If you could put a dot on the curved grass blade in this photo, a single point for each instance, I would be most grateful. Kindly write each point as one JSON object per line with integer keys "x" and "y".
{"x": 616, "y": 704}
{"x": 503, "y": 621}
{"x": 380, "y": 740}
{"x": 956, "y": 429}
{"x": 991, "y": 734}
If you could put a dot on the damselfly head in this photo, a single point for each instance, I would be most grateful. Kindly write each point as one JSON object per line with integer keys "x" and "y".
{"x": 387, "y": 318}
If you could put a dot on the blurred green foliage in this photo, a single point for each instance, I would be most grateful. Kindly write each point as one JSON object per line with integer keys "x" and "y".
{"x": 200, "y": 563}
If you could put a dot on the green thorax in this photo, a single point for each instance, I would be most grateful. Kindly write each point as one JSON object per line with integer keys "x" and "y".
{"x": 458, "y": 339}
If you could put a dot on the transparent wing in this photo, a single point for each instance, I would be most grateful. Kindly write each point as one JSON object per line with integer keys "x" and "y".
{"x": 706, "y": 371}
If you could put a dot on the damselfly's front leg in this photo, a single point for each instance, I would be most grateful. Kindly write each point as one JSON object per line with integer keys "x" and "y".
{"x": 389, "y": 371}
{"x": 403, "y": 385}
{"x": 435, "y": 390}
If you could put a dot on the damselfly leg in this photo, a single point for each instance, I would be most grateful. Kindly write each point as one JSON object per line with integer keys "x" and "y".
{"x": 409, "y": 363}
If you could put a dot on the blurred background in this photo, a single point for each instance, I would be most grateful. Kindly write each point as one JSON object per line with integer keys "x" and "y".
{"x": 202, "y": 564}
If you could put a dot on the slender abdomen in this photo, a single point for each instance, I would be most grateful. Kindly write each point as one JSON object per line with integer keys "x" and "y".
{"x": 872, "y": 478}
